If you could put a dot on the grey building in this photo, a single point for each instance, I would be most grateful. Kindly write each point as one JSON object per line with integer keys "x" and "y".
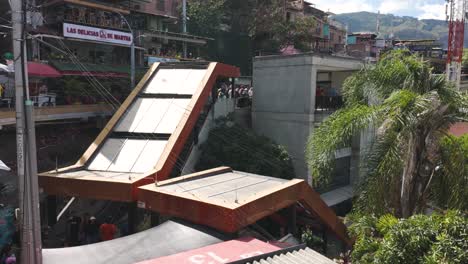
{"x": 292, "y": 95}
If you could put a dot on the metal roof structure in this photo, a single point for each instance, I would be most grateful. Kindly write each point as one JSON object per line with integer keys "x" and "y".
{"x": 169, "y": 238}
{"x": 230, "y": 200}
{"x": 142, "y": 141}
{"x": 223, "y": 252}
{"x": 297, "y": 256}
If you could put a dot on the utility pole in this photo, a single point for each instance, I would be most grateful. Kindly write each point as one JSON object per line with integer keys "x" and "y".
{"x": 184, "y": 24}
{"x": 29, "y": 218}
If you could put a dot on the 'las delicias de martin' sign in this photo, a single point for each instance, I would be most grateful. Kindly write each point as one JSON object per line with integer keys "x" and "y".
{"x": 97, "y": 34}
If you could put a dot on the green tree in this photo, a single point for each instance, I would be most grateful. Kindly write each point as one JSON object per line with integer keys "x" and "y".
{"x": 411, "y": 110}
{"x": 465, "y": 58}
{"x": 231, "y": 145}
{"x": 431, "y": 239}
{"x": 205, "y": 16}
{"x": 263, "y": 20}
{"x": 451, "y": 180}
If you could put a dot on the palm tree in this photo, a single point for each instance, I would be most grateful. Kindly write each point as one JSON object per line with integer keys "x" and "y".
{"x": 410, "y": 109}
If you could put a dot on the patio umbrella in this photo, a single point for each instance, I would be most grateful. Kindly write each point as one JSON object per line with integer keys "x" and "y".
{"x": 5, "y": 68}
{"x": 3, "y": 166}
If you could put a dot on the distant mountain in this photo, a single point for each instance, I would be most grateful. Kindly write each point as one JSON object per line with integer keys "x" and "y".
{"x": 402, "y": 27}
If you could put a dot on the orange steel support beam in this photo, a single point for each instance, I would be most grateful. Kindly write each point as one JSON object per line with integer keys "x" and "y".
{"x": 86, "y": 188}
{"x": 231, "y": 218}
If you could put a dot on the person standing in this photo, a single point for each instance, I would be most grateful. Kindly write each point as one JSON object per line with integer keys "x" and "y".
{"x": 107, "y": 230}
{"x": 2, "y": 91}
{"x": 73, "y": 230}
{"x": 91, "y": 230}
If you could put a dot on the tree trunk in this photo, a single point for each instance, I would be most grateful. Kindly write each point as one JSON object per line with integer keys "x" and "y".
{"x": 417, "y": 171}
{"x": 408, "y": 176}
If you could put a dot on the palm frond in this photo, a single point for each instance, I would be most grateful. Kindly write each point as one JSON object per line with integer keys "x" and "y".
{"x": 335, "y": 133}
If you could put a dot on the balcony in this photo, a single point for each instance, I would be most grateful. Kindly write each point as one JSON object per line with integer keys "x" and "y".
{"x": 63, "y": 112}
{"x": 121, "y": 8}
{"x": 328, "y": 103}
{"x": 95, "y": 18}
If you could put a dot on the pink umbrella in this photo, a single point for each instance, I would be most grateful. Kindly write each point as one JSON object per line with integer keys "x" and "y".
{"x": 36, "y": 69}
{"x": 290, "y": 50}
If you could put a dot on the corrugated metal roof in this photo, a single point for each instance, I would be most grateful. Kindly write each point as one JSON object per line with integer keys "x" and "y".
{"x": 226, "y": 188}
{"x": 301, "y": 256}
{"x": 337, "y": 196}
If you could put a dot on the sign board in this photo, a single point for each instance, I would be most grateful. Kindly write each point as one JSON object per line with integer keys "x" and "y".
{"x": 225, "y": 252}
{"x": 97, "y": 34}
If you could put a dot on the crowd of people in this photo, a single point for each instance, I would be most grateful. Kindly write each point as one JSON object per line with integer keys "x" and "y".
{"x": 225, "y": 91}
{"x": 88, "y": 230}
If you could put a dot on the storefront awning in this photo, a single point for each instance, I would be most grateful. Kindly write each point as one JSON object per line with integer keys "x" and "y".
{"x": 36, "y": 69}
{"x": 96, "y": 70}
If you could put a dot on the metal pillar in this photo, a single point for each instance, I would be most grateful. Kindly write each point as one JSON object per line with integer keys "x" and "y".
{"x": 184, "y": 25}
{"x": 51, "y": 210}
{"x": 132, "y": 217}
{"x": 132, "y": 63}
{"x": 292, "y": 219}
{"x": 33, "y": 181}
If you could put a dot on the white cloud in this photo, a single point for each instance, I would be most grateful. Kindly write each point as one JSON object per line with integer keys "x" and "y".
{"x": 433, "y": 11}
{"x": 342, "y": 6}
{"x": 423, "y": 9}
{"x": 393, "y": 6}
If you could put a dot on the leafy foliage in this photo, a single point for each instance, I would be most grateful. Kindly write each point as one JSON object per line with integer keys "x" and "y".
{"x": 205, "y": 16}
{"x": 231, "y": 145}
{"x": 410, "y": 110}
{"x": 312, "y": 240}
{"x": 451, "y": 180}
{"x": 419, "y": 239}
{"x": 264, "y": 21}
{"x": 401, "y": 27}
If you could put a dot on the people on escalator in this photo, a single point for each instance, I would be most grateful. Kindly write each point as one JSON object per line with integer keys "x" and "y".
{"x": 107, "y": 230}
{"x": 73, "y": 230}
{"x": 91, "y": 230}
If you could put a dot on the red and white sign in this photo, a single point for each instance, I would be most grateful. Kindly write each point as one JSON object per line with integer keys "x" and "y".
{"x": 219, "y": 253}
{"x": 97, "y": 34}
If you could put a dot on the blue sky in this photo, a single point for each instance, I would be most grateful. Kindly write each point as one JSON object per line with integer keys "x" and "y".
{"x": 423, "y": 9}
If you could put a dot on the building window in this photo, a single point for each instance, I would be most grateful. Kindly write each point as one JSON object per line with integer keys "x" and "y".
{"x": 161, "y": 5}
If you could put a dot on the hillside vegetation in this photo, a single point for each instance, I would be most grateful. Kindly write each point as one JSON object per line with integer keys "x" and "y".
{"x": 402, "y": 27}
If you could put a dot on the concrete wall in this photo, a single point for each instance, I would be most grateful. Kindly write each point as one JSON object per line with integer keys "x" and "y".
{"x": 222, "y": 107}
{"x": 283, "y": 107}
{"x": 338, "y": 78}
{"x": 283, "y": 104}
